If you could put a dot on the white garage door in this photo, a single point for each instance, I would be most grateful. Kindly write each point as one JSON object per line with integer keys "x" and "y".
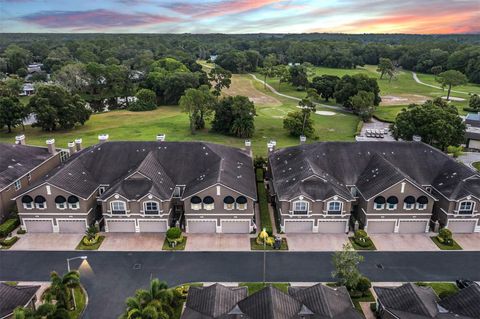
{"x": 121, "y": 226}
{"x": 72, "y": 226}
{"x": 462, "y": 226}
{"x": 381, "y": 227}
{"x": 39, "y": 225}
{"x": 332, "y": 227}
{"x": 298, "y": 226}
{"x": 412, "y": 227}
{"x": 474, "y": 144}
{"x": 235, "y": 226}
{"x": 152, "y": 226}
{"x": 201, "y": 226}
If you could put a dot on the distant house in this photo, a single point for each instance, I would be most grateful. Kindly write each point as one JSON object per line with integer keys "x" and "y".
{"x": 22, "y": 165}
{"x": 319, "y": 301}
{"x": 27, "y": 89}
{"x": 410, "y": 301}
{"x": 213, "y": 58}
{"x": 34, "y": 67}
{"x": 472, "y": 133}
{"x": 12, "y": 297}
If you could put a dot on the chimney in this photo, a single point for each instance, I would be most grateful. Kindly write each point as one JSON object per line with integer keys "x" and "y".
{"x": 51, "y": 146}
{"x": 102, "y": 138}
{"x": 20, "y": 139}
{"x": 160, "y": 137}
{"x": 78, "y": 144}
{"x": 71, "y": 147}
{"x": 303, "y": 139}
{"x": 248, "y": 146}
{"x": 416, "y": 138}
{"x": 271, "y": 146}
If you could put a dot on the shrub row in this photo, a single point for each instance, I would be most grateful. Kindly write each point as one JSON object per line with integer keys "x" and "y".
{"x": 8, "y": 242}
{"x": 8, "y": 226}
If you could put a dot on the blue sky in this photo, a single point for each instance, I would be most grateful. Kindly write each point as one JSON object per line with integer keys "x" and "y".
{"x": 241, "y": 16}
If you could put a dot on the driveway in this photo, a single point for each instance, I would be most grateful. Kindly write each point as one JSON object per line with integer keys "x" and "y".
{"x": 41, "y": 241}
{"x": 403, "y": 242}
{"x": 468, "y": 241}
{"x": 132, "y": 242}
{"x": 316, "y": 242}
{"x": 218, "y": 242}
{"x": 468, "y": 158}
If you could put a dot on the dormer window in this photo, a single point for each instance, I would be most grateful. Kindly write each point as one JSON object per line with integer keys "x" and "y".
{"x": 18, "y": 184}
{"x": 150, "y": 208}
{"x": 300, "y": 207}
{"x": 101, "y": 190}
{"x": 177, "y": 192}
{"x": 466, "y": 207}
{"x": 379, "y": 203}
{"x": 334, "y": 207}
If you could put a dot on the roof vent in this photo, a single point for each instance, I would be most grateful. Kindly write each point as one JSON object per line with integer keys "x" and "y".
{"x": 71, "y": 147}
{"x": 51, "y": 146}
{"x": 103, "y": 138}
{"x": 78, "y": 144}
{"x": 161, "y": 137}
{"x": 20, "y": 139}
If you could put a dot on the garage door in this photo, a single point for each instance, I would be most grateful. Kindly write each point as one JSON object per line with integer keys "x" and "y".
{"x": 235, "y": 226}
{"x": 298, "y": 226}
{"x": 412, "y": 227}
{"x": 72, "y": 226}
{"x": 381, "y": 227}
{"x": 332, "y": 227}
{"x": 152, "y": 226}
{"x": 39, "y": 226}
{"x": 121, "y": 226}
{"x": 202, "y": 226}
{"x": 474, "y": 144}
{"x": 462, "y": 226}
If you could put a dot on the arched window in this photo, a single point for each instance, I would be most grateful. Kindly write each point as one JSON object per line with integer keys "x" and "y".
{"x": 228, "y": 203}
{"x": 27, "y": 202}
{"x": 409, "y": 202}
{"x": 241, "y": 202}
{"x": 118, "y": 207}
{"x": 300, "y": 207}
{"x": 151, "y": 208}
{"x": 73, "y": 202}
{"x": 61, "y": 202}
{"x": 208, "y": 203}
{"x": 334, "y": 207}
{"x": 195, "y": 203}
{"x": 40, "y": 202}
{"x": 422, "y": 202}
{"x": 392, "y": 202}
{"x": 466, "y": 207}
{"x": 379, "y": 203}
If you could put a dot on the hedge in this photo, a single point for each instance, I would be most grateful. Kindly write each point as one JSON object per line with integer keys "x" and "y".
{"x": 8, "y": 226}
{"x": 9, "y": 242}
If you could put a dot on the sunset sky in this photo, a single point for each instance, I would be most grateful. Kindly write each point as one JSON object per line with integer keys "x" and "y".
{"x": 241, "y": 16}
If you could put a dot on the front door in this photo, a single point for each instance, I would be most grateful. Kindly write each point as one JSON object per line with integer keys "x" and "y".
{"x": 177, "y": 216}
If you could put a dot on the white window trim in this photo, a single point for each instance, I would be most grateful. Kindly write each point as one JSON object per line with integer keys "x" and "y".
{"x": 195, "y": 206}
{"x": 412, "y": 206}
{"x": 17, "y": 185}
{"x": 464, "y": 210}
{"x": 151, "y": 202}
{"x": 209, "y": 206}
{"x": 421, "y": 206}
{"x": 118, "y": 201}
{"x": 392, "y": 208}
{"x": 232, "y": 206}
{"x": 382, "y": 206}
{"x": 241, "y": 206}
{"x": 61, "y": 208}
{"x": 28, "y": 206}
{"x": 77, "y": 206}
{"x": 307, "y": 206}
{"x": 37, "y": 206}
{"x": 332, "y": 202}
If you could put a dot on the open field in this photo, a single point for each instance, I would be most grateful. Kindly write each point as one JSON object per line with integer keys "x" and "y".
{"x": 126, "y": 125}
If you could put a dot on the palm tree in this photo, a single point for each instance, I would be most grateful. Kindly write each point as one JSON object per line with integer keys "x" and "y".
{"x": 61, "y": 287}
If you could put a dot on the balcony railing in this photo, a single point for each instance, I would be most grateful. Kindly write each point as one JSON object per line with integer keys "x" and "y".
{"x": 300, "y": 212}
{"x": 152, "y": 212}
{"x": 119, "y": 212}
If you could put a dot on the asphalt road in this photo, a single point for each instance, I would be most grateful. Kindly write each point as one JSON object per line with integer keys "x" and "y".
{"x": 110, "y": 277}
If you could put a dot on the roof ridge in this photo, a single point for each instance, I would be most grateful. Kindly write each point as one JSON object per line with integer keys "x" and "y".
{"x": 414, "y": 287}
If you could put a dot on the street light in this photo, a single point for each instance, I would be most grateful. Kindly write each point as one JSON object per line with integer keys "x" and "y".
{"x": 68, "y": 268}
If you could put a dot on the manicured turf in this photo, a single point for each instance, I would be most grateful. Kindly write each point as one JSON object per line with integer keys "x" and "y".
{"x": 455, "y": 245}
{"x": 358, "y": 247}
{"x": 253, "y": 287}
{"x": 80, "y": 300}
{"x": 181, "y": 246}
{"x": 82, "y": 246}
{"x": 468, "y": 88}
{"x": 476, "y": 165}
{"x": 255, "y": 246}
{"x": 265, "y": 221}
{"x": 443, "y": 289}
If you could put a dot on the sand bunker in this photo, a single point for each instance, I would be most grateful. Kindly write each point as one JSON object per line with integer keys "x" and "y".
{"x": 403, "y": 99}
{"x": 326, "y": 113}
{"x": 452, "y": 98}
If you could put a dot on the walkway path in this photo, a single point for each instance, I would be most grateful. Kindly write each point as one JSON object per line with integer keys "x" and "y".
{"x": 468, "y": 158}
{"x": 415, "y": 77}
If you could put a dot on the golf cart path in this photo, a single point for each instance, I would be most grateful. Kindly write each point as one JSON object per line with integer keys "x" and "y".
{"x": 415, "y": 77}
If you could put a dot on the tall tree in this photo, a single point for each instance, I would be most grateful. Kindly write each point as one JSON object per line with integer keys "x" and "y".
{"x": 362, "y": 104}
{"x": 12, "y": 112}
{"x": 385, "y": 66}
{"x": 268, "y": 69}
{"x": 325, "y": 85}
{"x": 17, "y": 57}
{"x": 450, "y": 79}
{"x": 198, "y": 104}
{"x": 346, "y": 264}
{"x": 220, "y": 78}
{"x": 234, "y": 115}
{"x": 436, "y": 122}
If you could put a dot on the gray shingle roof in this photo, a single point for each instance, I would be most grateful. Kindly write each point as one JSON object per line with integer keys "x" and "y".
{"x": 13, "y": 297}
{"x": 466, "y": 302}
{"x": 18, "y": 160}
{"x": 358, "y": 163}
{"x": 164, "y": 164}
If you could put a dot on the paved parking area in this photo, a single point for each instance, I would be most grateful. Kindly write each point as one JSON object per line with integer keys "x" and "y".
{"x": 468, "y": 241}
{"x": 41, "y": 241}
{"x": 375, "y": 124}
{"x": 403, "y": 242}
{"x": 316, "y": 242}
{"x": 218, "y": 242}
{"x": 132, "y": 242}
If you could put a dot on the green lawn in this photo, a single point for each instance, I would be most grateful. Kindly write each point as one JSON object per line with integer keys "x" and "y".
{"x": 80, "y": 300}
{"x": 255, "y": 246}
{"x": 358, "y": 247}
{"x": 476, "y": 165}
{"x": 253, "y": 287}
{"x": 455, "y": 245}
{"x": 468, "y": 88}
{"x": 181, "y": 246}
{"x": 265, "y": 221}
{"x": 442, "y": 289}
{"x": 82, "y": 246}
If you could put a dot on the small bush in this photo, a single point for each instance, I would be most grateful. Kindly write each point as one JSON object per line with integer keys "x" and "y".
{"x": 21, "y": 231}
{"x": 373, "y": 307}
{"x": 259, "y": 162}
{"x": 90, "y": 241}
{"x": 8, "y": 226}
{"x": 146, "y": 101}
{"x": 269, "y": 230}
{"x": 361, "y": 238}
{"x": 174, "y": 233}
{"x": 9, "y": 242}
{"x": 445, "y": 237}
{"x": 364, "y": 285}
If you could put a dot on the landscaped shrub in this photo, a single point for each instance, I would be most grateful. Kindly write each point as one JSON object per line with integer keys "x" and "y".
{"x": 361, "y": 238}
{"x": 21, "y": 231}
{"x": 445, "y": 237}
{"x": 146, "y": 101}
{"x": 373, "y": 307}
{"x": 259, "y": 162}
{"x": 174, "y": 233}
{"x": 9, "y": 242}
{"x": 90, "y": 241}
{"x": 364, "y": 285}
{"x": 8, "y": 226}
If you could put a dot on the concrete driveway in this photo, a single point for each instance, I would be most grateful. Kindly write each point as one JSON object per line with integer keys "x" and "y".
{"x": 218, "y": 242}
{"x": 468, "y": 241}
{"x": 468, "y": 158}
{"x": 44, "y": 241}
{"x": 316, "y": 242}
{"x": 132, "y": 242}
{"x": 403, "y": 242}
